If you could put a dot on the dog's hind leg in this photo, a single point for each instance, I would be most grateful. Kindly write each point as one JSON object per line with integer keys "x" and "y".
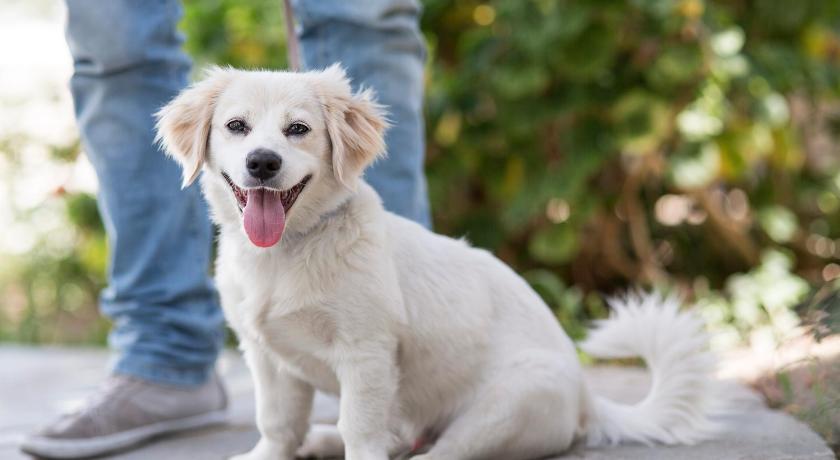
{"x": 528, "y": 409}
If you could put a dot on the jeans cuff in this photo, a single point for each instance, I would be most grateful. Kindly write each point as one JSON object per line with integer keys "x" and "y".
{"x": 162, "y": 374}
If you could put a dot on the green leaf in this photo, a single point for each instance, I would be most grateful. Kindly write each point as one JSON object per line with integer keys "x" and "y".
{"x": 555, "y": 244}
{"x": 643, "y": 122}
{"x": 590, "y": 55}
{"x": 778, "y": 222}
{"x": 676, "y": 65}
{"x": 696, "y": 170}
{"x": 83, "y": 212}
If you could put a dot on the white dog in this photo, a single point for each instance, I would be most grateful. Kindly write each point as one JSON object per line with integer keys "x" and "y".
{"x": 426, "y": 339}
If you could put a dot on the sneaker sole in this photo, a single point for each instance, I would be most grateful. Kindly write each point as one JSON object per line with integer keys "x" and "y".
{"x": 79, "y": 448}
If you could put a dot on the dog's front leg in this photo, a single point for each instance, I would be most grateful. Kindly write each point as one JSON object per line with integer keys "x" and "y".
{"x": 283, "y": 404}
{"x": 368, "y": 378}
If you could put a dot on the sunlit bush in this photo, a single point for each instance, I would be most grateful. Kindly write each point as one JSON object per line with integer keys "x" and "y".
{"x": 660, "y": 143}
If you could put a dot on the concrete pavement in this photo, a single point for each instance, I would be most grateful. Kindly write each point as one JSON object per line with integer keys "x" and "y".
{"x": 36, "y": 383}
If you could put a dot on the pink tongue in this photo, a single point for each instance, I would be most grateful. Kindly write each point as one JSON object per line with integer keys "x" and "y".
{"x": 265, "y": 217}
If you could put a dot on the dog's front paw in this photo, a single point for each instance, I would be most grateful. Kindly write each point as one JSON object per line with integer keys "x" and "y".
{"x": 322, "y": 441}
{"x": 264, "y": 450}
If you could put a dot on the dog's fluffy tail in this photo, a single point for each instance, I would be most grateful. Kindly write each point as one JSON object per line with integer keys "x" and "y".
{"x": 673, "y": 344}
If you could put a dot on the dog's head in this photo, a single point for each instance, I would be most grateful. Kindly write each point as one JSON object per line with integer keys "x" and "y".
{"x": 278, "y": 148}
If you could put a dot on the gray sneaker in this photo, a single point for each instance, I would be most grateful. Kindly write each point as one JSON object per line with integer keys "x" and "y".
{"x": 125, "y": 412}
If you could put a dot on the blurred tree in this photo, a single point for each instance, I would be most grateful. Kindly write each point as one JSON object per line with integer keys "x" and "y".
{"x": 241, "y": 34}
{"x": 605, "y": 142}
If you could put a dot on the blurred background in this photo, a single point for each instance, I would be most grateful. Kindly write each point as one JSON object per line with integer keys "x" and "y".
{"x": 688, "y": 145}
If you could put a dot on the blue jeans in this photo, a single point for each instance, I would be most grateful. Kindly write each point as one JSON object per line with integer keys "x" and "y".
{"x": 380, "y": 45}
{"x": 128, "y": 62}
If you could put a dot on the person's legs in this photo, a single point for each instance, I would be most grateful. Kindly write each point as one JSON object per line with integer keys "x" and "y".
{"x": 380, "y": 45}
{"x": 168, "y": 327}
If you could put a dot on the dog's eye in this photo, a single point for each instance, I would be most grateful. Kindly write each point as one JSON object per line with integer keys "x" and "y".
{"x": 237, "y": 126}
{"x": 297, "y": 129}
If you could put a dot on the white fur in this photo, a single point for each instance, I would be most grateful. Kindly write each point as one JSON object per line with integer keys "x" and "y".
{"x": 422, "y": 335}
{"x": 673, "y": 345}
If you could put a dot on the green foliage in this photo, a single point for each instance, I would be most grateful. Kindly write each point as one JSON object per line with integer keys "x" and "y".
{"x": 757, "y": 307}
{"x": 241, "y": 34}
{"x": 50, "y": 292}
{"x": 821, "y": 311}
{"x": 608, "y": 107}
{"x": 570, "y": 304}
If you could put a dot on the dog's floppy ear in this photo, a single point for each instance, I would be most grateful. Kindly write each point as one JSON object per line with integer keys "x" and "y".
{"x": 355, "y": 123}
{"x": 183, "y": 125}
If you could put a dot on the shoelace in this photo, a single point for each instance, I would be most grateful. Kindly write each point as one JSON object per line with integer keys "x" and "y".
{"x": 110, "y": 388}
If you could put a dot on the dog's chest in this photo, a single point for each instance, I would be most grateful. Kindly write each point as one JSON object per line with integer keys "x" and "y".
{"x": 290, "y": 307}
{"x": 298, "y": 329}
{"x": 304, "y": 340}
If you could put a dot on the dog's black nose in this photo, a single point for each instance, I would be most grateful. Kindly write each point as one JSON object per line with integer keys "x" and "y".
{"x": 263, "y": 164}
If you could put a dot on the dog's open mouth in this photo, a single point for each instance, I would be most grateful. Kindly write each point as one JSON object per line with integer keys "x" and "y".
{"x": 264, "y": 210}
{"x": 288, "y": 197}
